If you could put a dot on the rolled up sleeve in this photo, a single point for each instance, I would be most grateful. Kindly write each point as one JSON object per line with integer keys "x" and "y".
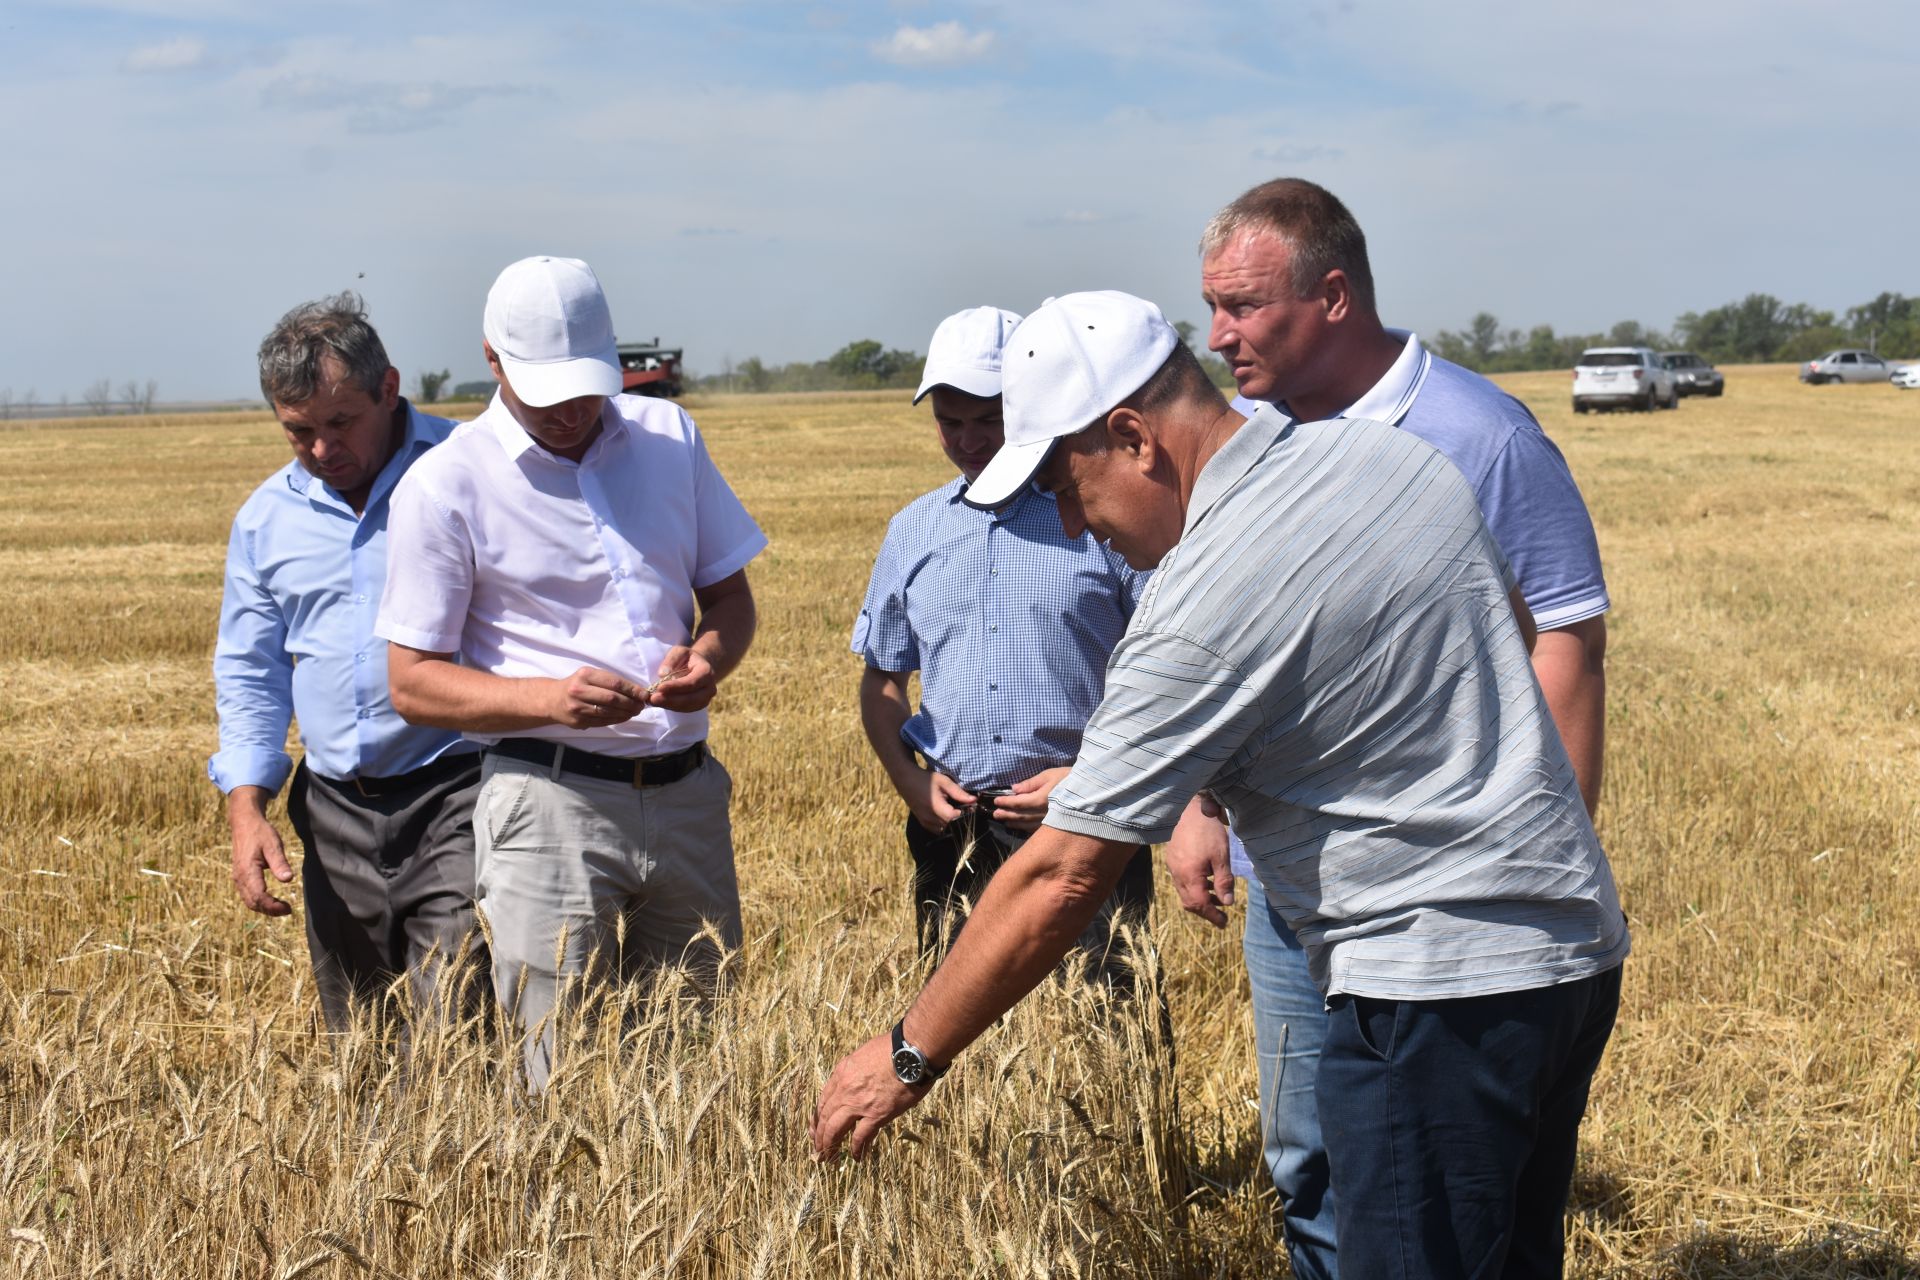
{"x": 883, "y": 633}
{"x": 252, "y": 678}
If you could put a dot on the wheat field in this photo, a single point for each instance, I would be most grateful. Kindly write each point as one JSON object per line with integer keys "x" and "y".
{"x": 170, "y": 1107}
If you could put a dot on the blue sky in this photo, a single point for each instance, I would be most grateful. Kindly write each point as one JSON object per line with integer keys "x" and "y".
{"x": 779, "y": 179}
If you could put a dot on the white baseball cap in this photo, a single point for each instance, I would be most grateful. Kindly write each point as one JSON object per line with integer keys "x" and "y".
{"x": 547, "y": 320}
{"x": 1064, "y": 367}
{"x": 965, "y": 352}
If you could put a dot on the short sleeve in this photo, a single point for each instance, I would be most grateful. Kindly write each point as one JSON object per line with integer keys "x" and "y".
{"x": 728, "y": 538}
{"x": 1538, "y": 517}
{"x": 1174, "y": 714}
{"x": 883, "y": 633}
{"x": 429, "y": 571}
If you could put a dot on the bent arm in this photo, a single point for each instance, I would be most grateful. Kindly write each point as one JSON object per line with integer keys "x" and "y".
{"x": 728, "y": 620}
{"x": 885, "y": 709}
{"x": 1570, "y": 663}
{"x": 433, "y": 689}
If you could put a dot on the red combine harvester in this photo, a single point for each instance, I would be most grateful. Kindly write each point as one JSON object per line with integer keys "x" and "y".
{"x": 649, "y": 369}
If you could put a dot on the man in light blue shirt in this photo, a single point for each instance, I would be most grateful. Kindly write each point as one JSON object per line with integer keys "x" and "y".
{"x": 383, "y": 808}
{"x": 1009, "y": 623}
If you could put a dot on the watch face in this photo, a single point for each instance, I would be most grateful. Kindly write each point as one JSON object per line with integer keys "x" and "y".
{"x": 909, "y": 1066}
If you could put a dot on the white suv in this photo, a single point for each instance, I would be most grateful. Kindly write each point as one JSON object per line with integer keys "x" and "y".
{"x": 1619, "y": 377}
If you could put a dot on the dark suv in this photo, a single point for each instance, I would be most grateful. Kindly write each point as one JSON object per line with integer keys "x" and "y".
{"x": 1693, "y": 376}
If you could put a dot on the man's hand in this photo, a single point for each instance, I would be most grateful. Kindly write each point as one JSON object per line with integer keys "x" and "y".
{"x": 256, "y": 850}
{"x": 1024, "y": 807}
{"x": 685, "y": 682}
{"x": 1198, "y": 862}
{"x": 935, "y": 799}
{"x": 592, "y": 699}
{"x": 860, "y": 1097}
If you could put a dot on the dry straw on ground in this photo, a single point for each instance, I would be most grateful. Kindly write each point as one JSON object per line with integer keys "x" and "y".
{"x": 170, "y": 1109}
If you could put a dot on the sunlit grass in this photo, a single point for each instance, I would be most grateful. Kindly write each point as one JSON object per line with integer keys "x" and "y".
{"x": 169, "y": 1106}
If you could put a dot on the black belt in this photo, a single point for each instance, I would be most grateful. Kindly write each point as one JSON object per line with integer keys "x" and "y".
{"x": 412, "y": 780}
{"x": 640, "y": 771}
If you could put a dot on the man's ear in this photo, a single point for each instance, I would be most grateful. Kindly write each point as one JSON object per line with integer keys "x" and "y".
{"x": 493, "y": 362}
{"x": 1128, "y": 433}
{"x": 1336, "y": 295}
{"x": 390, "y": 386}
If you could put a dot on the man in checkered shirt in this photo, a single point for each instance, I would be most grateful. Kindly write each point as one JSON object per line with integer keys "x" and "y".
{"x": 1009, "y": 623}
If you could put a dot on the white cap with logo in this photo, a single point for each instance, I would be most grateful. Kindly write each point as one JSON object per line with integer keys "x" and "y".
{"x": 965, "y": 352}
{"x": 547, "y": 320}
{"x": 1064, "y": 367}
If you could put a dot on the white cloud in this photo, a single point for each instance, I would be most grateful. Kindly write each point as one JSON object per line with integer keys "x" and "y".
{"x": 182, "y": 53}
{"x": 944, "y": 44}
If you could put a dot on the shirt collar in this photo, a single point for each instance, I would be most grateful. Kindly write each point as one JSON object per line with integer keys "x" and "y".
{"x": 1389, "y": 399}
{"x": 498, "y": 421}
{"x": 413, "y": 442}
{"x": 1245, "y": 447}
{"x": 959, "y": 486}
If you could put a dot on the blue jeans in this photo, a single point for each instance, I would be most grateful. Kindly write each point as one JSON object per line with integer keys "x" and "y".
{"x": 1452, "y": 1127}
{"x": 1289, "y": 1025}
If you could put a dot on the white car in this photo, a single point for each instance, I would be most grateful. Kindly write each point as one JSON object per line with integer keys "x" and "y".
{"x": 1622, "y": 378}
{"x": 1906, "y": 376}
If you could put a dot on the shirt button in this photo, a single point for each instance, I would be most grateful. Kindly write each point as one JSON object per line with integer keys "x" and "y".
{"x": 993, "y": 626}
{"x": 359, "y": 657}
{"x": 994, "y": 572}
{"x": 992, "y": 686}
{"x": 996, "y": 737}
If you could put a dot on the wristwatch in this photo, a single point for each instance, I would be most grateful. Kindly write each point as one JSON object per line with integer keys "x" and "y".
{"x": 911, "y": 1066}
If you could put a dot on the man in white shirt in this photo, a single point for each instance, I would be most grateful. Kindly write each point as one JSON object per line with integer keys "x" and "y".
{"x": 567, "y": 586}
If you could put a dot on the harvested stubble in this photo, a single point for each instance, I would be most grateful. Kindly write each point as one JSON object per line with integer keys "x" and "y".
{"x": 170, "y": 1107}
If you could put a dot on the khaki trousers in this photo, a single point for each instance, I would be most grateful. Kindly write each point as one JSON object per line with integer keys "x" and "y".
{"x": 584, "y": 881}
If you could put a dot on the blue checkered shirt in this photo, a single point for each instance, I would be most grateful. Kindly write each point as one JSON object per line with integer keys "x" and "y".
{"x": 1009, "y": 624}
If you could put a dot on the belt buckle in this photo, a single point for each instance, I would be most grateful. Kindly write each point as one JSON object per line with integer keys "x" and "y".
{"x": 639, "y": 772}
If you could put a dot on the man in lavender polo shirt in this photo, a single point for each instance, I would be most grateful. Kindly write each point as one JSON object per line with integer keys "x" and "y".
{"x": 1285, "y": 271}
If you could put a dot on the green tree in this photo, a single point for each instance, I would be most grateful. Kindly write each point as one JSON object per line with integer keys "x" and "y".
{"x": 1483, "y": 337}
{"x": 432, "y": 384}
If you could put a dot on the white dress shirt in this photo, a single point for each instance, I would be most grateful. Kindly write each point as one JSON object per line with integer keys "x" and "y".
{"x": 526, "y": 564}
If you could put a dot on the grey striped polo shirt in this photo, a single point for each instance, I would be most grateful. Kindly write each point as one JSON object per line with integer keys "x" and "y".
{"x": 1330, "y": 651}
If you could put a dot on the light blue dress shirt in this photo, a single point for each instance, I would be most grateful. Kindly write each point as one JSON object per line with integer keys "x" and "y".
{"x": 304, "y": 576}
{"x": 1009, "y": 623}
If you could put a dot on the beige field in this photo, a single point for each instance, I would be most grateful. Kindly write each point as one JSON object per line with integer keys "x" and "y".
{"x": 168, "y": 1106}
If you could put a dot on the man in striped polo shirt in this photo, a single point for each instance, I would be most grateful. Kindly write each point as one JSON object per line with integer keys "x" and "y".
{"x": 1332, "y": 647}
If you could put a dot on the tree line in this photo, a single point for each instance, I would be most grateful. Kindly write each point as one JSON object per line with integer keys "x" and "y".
{"x": 1755, "y": 330}
{"x": 867, "y": 365}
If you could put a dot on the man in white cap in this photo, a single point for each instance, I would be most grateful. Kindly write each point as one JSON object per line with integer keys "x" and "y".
{"x": 1335, "y": 651}
{"x": 567, "y": 586}
{"x": 1009, "y": 622}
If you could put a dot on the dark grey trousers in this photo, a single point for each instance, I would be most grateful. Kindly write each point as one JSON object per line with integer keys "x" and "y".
{"x": 388, "y": 883}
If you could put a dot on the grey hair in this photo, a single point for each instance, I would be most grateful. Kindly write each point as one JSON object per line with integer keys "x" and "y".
{"x": 1310, "y": 220}
{"x": 291, "y": 354}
